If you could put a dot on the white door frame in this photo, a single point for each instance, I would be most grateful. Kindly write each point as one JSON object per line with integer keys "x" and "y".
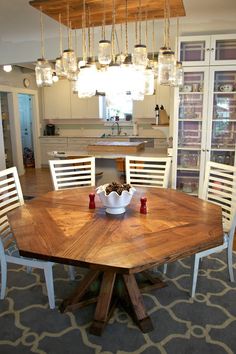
{"x": 15, "y": 127}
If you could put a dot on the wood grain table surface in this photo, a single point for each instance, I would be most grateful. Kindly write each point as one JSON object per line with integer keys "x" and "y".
{"x": 59, "y": 226}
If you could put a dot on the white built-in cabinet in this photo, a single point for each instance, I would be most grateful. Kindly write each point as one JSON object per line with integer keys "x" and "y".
{"x": 49, "y": 144}
{"x": 207, "y": 50}
{"x": 59, "y": 102}
{"x": 204, "y": 113}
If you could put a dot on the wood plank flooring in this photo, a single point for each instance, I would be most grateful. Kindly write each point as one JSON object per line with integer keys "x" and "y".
{"x": 36, "y": 182}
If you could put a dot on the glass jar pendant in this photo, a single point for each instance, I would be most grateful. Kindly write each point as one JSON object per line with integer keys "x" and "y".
{"x": 69, "y": 61}
{"x": 140, "y": 56}
{"x": 166, "y": 68}
{"x": 43, "y": 72}
{"x": 104, "y": 52}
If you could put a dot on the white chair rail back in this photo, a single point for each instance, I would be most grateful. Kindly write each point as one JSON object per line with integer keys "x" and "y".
{"x": 148, "y": 171}
{"x": 10, "y": 191}
{"x": 219, "y": 187}
{"x": 79, "y": 172}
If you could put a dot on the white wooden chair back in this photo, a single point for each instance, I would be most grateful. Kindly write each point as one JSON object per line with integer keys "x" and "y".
{"x": 148, "y": 171}
{"x": 219, "y": 187}
{"x": 73, "y": 173}
{"x": 10, "y": 190}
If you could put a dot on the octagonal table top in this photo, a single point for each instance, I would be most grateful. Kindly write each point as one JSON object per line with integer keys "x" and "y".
{"x": 59, "y": 226}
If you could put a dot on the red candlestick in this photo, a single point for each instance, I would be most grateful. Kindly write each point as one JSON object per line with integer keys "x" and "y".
{"x": 143, "y": 206}
{"x": 91, "y": 201}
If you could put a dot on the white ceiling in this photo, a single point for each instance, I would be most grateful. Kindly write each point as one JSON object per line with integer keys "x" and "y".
{"x": 20, "y": 26}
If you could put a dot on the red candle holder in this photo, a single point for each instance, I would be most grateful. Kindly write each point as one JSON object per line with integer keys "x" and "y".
{"x": 143, "y": 206}
{"x": 92, "y": 201}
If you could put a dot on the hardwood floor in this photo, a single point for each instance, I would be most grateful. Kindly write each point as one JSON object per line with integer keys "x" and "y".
{"x": 37, "y": 181}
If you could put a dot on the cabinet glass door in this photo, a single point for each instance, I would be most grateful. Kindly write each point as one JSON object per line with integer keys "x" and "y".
{"x": 223, "y": 49}
{"x": 190, "y": 126}
{"x": 194, "y": 51}
{"x": 223, "y": 124}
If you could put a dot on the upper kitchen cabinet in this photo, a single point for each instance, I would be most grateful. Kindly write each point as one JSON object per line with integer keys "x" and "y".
{"x": 84, "y": 107}
{"x": 208, "y": 50}
{"x": 57, "y": 101}
{"x": 145, "y": 108}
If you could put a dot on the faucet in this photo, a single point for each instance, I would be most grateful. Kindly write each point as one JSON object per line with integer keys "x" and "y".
{"x": 118, "y": 128}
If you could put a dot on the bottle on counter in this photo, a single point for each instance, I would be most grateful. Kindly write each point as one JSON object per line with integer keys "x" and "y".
{"x": 157, "y": 114}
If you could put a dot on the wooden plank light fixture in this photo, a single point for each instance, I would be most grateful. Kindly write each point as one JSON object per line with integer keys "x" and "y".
{"x": 153, "y": 8}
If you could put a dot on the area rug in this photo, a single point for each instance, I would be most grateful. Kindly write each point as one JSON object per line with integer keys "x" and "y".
{"x": 182, "y": 325}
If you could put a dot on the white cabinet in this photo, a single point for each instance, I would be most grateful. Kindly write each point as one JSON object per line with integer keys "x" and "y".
{"x": 205, "y": 124}
{"x": 208, "y": 50}
{"x": 57, "y": 100}
{"x": 49, "y": 144}
{"x": 145, "y": 108}
{"x": 84, "y": 107}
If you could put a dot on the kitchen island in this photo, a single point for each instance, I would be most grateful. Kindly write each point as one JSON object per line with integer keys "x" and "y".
{"x": 110, "y": 163}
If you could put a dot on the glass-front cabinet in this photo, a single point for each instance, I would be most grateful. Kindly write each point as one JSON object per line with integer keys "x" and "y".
{"x": 208, "y": 50}
{"x": 205, "y": 124}
{"x": 222, "y": 111}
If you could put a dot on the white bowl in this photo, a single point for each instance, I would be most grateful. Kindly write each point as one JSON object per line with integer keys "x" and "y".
{"x": 113, "y": 202}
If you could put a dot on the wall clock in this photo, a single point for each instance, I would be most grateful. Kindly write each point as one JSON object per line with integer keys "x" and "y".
{"x": 26, "y": 82}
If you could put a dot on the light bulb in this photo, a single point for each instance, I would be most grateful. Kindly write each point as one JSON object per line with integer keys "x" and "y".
{"x": 7, "y": 68}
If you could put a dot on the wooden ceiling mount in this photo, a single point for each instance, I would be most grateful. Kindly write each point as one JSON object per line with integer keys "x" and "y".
{"x": 151, "y": 9}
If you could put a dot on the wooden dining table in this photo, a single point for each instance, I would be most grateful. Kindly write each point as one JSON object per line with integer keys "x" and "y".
{"x": 116, "y": 249}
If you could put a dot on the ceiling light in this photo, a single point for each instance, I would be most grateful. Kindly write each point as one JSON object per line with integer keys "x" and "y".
{"x": 7, "y": 68}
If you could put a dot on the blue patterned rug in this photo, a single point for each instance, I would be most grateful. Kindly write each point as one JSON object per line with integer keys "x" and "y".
{"x": 182, "y": 325}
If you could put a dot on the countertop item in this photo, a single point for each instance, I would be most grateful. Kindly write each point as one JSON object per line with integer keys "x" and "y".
{"x": 117, "y": 146}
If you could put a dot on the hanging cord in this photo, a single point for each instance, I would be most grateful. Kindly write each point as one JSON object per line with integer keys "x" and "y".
{"x": 76, "y": 46}
{"x": 93, "y": 42}
{"x": 146, "y": 29}
{"x": 136, "y": 29}
{"x": 83, "y": 32}
{"x": 165, "y": 25}
{"x": 89, "y": 33}
{"x": 177, "y": 35}
{"x": 168, "y": 23}
{"x": 60, "y": 35}
{"x": 68, "y": 23}
{"x": 153, "y": 39}
{"x": 140, "y": 23}
{"x": 113, "y": 32}
{"x": 121, "y": 38}
{"x": 42, "y": 33}
{"x": 104, "y": 22}
{"x": 126, "y": 27}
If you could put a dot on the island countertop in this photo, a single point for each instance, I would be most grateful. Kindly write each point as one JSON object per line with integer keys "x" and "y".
{"x": 162, "y": 152}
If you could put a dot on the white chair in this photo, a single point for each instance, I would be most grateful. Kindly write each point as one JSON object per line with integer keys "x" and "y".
{"x": 147, "y": 171}
{"x": 219, "y": 188}
{"x": 73, "y": 173}
{"x": 10, "y": 198}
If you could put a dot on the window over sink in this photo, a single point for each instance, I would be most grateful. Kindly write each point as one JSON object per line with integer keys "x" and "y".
{"x": 118, "y": 109}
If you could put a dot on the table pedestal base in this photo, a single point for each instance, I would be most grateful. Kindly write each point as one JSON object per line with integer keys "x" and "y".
{"x": 115, "y": 290}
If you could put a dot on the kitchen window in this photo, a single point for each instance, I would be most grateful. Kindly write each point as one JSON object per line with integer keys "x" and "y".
{"x": 119, "y": 109}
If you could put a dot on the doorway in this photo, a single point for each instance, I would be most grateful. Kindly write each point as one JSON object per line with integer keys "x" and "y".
{"x": 25, "y": 112}
{"x": 6, "y": 132}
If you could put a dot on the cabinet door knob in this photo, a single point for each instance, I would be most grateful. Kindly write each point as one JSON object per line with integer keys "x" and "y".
{"x": 208, "y": 49}
{"x": 203, "y": 150}
{"x": 212, "y": 49}
{"x": 208, "y": 150}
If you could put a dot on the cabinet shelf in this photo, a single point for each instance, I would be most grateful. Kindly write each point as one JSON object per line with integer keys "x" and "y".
{"x": 179, "y": 168}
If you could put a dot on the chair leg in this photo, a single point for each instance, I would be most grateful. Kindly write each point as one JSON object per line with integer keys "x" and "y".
{"x": 230, "y": 263}
{"x": 195, "y": 274}
{"x": 3, "y": 278}
{"x": 49, "y": 284}
{"x": 165, "y": 268}
{"x": 71, "y": 272}
{"x": 28, "y": 269}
